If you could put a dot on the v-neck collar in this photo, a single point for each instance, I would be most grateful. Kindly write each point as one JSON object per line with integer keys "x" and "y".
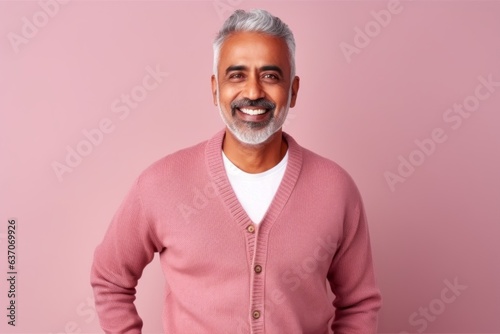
{"x": 217, "y": 172}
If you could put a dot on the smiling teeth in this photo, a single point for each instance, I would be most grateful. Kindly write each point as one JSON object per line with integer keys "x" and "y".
{"x": 253, "y": 111}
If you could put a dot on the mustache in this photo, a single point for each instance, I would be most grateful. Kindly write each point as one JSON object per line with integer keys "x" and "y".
{"x": 245, "y": 102}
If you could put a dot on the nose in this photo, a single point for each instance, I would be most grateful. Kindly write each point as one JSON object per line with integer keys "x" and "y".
{"x": 253, "y": 89}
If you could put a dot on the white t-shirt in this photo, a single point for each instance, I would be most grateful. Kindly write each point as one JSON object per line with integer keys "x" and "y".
{"x": 255, "y": 192}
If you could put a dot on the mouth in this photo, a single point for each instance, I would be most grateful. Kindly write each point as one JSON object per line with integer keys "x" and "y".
{"x": 255, "y": 113}
{"x": 256, "y": 116}
{"x": 252, "y": 112}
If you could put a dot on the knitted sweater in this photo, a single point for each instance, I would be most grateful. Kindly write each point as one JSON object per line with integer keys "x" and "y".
{"x": 225, "y": 274}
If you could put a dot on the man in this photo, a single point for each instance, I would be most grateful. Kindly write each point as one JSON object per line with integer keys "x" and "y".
{"x": 274, "y": 224}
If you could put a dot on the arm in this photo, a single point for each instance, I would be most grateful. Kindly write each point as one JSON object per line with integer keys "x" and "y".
{"x": 128, "y": 246}
{"x": 352, "y": 280}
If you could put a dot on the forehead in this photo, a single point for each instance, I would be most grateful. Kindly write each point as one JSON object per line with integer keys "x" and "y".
{"x": 254, "y": 49}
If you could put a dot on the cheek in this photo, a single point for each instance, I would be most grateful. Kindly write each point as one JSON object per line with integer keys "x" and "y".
{"x": 280, "y": 96}
{"x": 227, "y": 94}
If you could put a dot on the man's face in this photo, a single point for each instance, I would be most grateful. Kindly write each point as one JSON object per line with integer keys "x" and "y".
{"x": 254, "y": 89}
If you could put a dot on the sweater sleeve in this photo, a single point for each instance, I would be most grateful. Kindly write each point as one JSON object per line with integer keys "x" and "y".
{"x": 351, "y": 277}
{"x": 128, "y": 246}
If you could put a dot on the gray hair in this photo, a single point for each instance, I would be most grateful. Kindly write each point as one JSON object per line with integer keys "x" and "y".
{"x": 256, "y": 20}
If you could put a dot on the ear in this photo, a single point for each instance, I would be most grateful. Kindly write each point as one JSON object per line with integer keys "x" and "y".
{"x": 214, "y": 89}
{"x": 295, "y": 90}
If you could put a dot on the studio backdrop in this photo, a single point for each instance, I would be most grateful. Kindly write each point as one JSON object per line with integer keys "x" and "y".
{"x": 405, "y": 95}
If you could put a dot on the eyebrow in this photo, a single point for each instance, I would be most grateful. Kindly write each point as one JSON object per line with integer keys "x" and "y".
{"x": 263, "y": 68}
{"x": 272, "y": 68}
{"x": 236, "y": 68}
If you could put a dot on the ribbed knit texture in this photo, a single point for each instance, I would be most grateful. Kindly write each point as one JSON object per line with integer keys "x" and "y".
{"x": 225, "y": 274}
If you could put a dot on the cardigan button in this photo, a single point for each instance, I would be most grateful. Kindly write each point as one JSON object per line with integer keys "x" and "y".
{"x": 251, "y": 228}
{"x": 258, "y": 269}
{"x": 256, "y": 314}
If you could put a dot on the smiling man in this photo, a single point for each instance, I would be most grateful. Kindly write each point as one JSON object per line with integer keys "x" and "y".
{"x": 279, "y": 224}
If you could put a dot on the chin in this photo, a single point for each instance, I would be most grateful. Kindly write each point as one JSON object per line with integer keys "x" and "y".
{"x": 254, "y": 138}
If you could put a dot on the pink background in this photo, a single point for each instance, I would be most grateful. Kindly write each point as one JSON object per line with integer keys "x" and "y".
{"x": 441, "y": 224}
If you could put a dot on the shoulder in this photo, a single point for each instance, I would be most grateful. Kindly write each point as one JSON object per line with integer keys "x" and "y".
{"x": 181, "y": 159}
{"x": 324, "y": 165}
{"x": 328, "y": 170}
{"x": 324, "y": 172}
{"x": 177, "y": 166}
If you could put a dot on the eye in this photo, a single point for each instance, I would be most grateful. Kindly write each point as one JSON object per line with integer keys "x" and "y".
{"x": 236, "y": 76}
{"x": 271, "y": 76}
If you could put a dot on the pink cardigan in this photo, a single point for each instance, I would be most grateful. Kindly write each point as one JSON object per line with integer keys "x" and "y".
{"x": 225, "y": 274}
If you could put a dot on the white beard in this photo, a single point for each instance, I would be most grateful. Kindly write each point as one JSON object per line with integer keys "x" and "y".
{"x": 253, "y": 136}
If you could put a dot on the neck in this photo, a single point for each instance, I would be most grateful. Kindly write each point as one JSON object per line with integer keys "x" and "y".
{"x": 255, "y": 158}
